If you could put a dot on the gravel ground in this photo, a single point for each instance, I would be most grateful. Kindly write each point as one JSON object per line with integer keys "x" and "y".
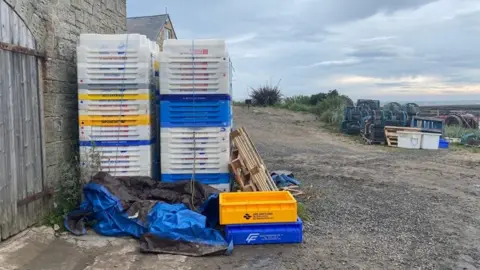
{"x": 371, "y": 207}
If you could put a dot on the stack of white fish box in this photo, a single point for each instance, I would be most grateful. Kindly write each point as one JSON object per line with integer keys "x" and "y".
{"x": 117, "y": 84}
{"x": 195, "y": 112}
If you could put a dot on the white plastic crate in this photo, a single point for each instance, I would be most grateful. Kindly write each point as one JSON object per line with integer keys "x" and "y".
{"x": 172, "y": 148}
{"x": 409, "y": 139}
{"x": 114, "y": 41}
{"x": 217, "y": 134}
{"x": 117, "y": 110}
{"x": 430, "y": 140}
{"x": 196, "y": 47}
{"x": 128, "y": 57}
{"x": 118, "y": 160}
{"x": 179, "y": 74}
{"x": 115, "y": 71}
{"x": 111, "y": 48}
{"x": 175, "y": 141}
{"x": 124, "y": 112}
{"x": 120, "y": 79}
{"x": 187, "y": 161}
{"x": 114, "y": 66}
{"x": 189, "y": 149}
{"x": 222, "y": 187}
{"x": 172, "y": 63}
{"x": 168, "y": 168}
{"x": 178, "y": 87}
{"x": 115, "y": 107}
{"x": 93, "y": 133}
{"x": 140, "y": 69}
{"x": 118, "y": 90}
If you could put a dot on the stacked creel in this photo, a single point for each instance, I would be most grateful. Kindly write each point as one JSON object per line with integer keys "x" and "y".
{"x": 117, "y": 84}
{"x": 195, "y": 112}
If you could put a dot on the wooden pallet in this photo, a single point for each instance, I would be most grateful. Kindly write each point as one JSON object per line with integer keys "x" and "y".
{"x": 250, "y": 171}
{"x": 240, "y": 172}
{"x": 391, "y": 135}
{"x": 294, "y": 190}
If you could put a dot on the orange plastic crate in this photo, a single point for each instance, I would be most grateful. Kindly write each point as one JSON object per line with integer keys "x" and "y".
{"x": 113, "y": 120}
{"x": 257, "y": 207}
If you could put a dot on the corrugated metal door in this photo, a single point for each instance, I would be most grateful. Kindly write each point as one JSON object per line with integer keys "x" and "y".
{"x": 21, "y": 169}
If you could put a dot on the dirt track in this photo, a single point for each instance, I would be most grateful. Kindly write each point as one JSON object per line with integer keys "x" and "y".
{"x": 371, "y": 207}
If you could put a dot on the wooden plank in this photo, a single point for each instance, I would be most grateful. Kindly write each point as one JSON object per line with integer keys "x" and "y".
{"x": 248, "y": 154}
{"x": 43, "y": 183}
{"x": 29, "y": 141}
{"x": 4, "y": 182}
{"x": 268, "y": 179}
{"x": 14, "y": 38}
{"x": 12, "y": 154}
{"x": 18, "y": 104}
{"x": 395, "y": 128}
{"x": 5, "y": 22}
{"x": 252, "y": 161}
{"x": 39, "y": 206}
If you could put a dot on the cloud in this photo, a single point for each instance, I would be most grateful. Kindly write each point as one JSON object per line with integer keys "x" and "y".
{"x": 368, "y": 48}
{"x": 344, "y": 62}
{"x": 376, "y": 80}
{"x": 241, "y": 38}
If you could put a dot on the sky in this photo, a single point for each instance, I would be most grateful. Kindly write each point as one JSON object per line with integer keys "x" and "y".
{"x": 392, "y": 50}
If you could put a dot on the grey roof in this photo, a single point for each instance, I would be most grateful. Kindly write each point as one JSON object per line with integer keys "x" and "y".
{"x": 150, "y": 26}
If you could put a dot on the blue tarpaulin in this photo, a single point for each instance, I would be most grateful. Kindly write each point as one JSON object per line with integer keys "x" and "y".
{"x": 177, "y": 218}
{"x": 284, "y": 180}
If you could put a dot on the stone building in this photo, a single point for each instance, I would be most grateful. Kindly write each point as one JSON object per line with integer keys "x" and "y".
{"x": 55, "y": 26}
{"x": 158, "y": 27}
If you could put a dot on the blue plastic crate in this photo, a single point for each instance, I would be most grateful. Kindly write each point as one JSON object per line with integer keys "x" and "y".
{"x": 268, "y": 233}
{"x": 197, "y": 97}
{"x": 443, "y": 144}
{"x": 195, "y": 113}
{"x": 204, "y": 178}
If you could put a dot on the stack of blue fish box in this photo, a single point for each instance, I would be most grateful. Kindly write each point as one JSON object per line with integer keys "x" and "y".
{"x": 195, "y": 112}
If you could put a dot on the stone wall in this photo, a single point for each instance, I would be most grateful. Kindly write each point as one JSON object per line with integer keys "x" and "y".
{"x": 56, "y": 25}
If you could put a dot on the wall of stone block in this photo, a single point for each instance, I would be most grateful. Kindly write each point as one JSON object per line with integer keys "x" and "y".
{"x": 56, "y": 25}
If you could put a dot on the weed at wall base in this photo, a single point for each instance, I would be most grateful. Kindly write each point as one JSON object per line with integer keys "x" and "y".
{"x": 69, "y": 188}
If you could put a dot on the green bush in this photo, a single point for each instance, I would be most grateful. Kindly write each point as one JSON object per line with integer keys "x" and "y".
{"x": 266, "y": 95}
{"x": 298, "y": 107}
{"x": 315, "y": 99}
{"x": 329, "y": 107}
{"x": 299, "y": 99}
{"x": 333, "y": 116}
{"x": 459, "y": 131}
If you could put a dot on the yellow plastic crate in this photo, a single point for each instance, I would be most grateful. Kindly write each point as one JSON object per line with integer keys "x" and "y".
{"x": 114, "y": 120}
{"x": 257, "y": 207}
{"x": 114, "y": 96}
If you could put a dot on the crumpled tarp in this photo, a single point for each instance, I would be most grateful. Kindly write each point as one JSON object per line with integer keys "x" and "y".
{"x": 284, "y": 179}
{"x": 164, "y": 216}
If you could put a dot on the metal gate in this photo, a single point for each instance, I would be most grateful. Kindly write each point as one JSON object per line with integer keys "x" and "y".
{"x": 21, "y": 160}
